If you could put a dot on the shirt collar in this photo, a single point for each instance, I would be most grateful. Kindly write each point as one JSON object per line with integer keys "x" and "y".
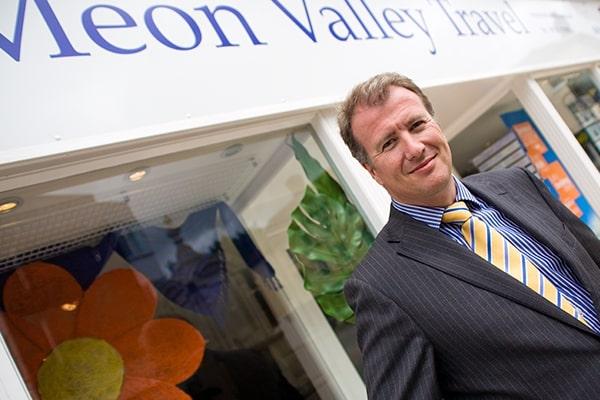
{"x": 432, "y": 216}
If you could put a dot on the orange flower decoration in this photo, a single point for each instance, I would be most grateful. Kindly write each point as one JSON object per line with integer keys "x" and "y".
{"x": 99, "y": 344}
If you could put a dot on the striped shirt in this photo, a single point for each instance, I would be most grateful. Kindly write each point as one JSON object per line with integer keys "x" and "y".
{"x": 548, "y": 263}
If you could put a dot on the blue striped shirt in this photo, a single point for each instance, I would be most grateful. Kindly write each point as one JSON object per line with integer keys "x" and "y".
{"x": 549, "y": 264}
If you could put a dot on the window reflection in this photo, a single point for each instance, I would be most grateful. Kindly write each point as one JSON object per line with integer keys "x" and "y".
{"x": 180, "y": 284}
{"x": 576, "y": 97}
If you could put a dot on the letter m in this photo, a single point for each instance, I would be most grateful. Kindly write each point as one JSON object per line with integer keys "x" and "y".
{"x": 13, "y": 47}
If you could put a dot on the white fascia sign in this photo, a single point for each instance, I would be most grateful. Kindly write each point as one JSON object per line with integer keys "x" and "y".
{"x": 78, "y": 74}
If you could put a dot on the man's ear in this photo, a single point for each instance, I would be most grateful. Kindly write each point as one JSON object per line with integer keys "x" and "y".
{"x": 372, "y": 171}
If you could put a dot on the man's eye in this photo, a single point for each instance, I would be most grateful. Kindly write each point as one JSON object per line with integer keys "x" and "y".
{"x": 388, "y": 144}
{"x": 418, "y": 124}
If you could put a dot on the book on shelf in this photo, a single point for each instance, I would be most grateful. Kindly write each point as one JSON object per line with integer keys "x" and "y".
{"x": 505, "y": 152}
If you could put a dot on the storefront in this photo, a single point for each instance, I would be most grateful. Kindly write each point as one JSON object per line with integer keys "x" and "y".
{"x": 178, "y": 213}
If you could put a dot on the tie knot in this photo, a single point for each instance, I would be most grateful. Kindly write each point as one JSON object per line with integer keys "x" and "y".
{"x": 456, "y": 213}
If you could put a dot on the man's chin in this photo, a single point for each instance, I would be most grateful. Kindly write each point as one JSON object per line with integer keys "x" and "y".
{"x": 437, "y": 190}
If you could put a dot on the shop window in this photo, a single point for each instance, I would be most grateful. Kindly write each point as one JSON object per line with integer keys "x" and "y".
{"x": 504, "y": 137}
{"x": 214, "y": 274}
{"x": 576, "y": 97}
{"x": 488, "y": 143}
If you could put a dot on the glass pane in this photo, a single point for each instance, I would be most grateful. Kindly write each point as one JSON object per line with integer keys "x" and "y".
{"x": 489, "y": 144}
{"x": 215, "y": 273}
{"x": 576, "y": 97}
{"x": 504, "y": 137}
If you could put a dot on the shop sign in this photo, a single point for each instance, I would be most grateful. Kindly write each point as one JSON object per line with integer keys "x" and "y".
{"x": 79, "y": 74}
{"x": 347, "y": 20}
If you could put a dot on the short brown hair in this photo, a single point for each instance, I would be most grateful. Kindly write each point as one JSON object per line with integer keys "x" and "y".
{"x": 372, "y": 92}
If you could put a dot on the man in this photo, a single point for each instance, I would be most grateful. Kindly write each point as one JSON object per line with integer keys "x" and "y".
{"x": 482, "y": 288}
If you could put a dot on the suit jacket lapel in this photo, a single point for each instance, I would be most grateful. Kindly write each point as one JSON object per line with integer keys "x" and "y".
{"x": 434, "y": 249}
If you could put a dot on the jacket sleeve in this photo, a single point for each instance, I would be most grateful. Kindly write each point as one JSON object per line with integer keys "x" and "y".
{"x": 580, "y": 230}
{"x": 398, "y": 360}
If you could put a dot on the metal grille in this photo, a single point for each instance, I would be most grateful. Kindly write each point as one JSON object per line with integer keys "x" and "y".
{"x": 83, "y": 221}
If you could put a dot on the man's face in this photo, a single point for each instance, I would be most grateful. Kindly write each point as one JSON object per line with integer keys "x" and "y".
{"x": 409, "y": 156}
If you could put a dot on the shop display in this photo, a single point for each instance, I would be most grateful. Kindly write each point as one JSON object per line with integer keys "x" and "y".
{"x": 101, "y": 343}
{"x": 584, "y": 101}
{"x": 591, "y": 146}
{"x": 506, "y": 152}
{"x": 205, "y": 237}
{"x": 577, "y": 99}
{"x": 327, "y": 237}
{"x": 187, "y": 263}
{"x": 584, "y": 104}
{"x": 550, "y": 168}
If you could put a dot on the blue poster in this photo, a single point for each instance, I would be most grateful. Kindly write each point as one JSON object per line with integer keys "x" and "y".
{"x": 549, "y": 167}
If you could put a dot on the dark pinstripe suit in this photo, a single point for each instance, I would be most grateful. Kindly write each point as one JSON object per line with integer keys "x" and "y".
{"x": 435, "y": 320}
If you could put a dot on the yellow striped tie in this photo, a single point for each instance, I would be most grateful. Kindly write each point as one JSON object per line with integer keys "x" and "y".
{"x": 490, "y": 245}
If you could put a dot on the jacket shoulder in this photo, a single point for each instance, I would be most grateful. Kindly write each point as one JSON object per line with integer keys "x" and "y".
{"x": 508, "y": 175}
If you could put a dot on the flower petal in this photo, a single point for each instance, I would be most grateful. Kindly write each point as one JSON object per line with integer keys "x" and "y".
{"x": 27, "y": 355}
{"x": 135, "y": 388}
{"x": 167, "y": 349}
{"x": 41, "y": 300}
{"x": 117, "y": 302}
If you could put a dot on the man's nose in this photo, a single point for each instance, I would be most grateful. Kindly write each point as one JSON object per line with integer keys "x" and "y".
{"x": 413, "y": 148}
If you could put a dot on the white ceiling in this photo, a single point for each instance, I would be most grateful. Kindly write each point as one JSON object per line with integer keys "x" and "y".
{"x": 457, "y": 102}
{"x": 75, "y": 210}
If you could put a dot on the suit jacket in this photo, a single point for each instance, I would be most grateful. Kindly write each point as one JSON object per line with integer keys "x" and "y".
{"x": 435, "y": 320}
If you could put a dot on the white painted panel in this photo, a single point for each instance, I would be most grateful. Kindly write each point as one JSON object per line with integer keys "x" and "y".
{"x": 12, "y": 386}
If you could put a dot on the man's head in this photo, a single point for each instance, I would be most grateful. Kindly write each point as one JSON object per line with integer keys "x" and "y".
{"x": 387, "y": 122}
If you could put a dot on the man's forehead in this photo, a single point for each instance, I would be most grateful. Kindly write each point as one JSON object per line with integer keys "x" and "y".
{"x": 361, "y": 108}
{"x": 406, "y": 102}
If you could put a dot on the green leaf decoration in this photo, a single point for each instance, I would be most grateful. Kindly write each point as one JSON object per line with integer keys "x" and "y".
{"x": 327, "y": 237}
{"x": 319, "y": 178}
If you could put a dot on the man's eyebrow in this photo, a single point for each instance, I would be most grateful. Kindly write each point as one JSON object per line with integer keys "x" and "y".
{"x": 411, "y": 120}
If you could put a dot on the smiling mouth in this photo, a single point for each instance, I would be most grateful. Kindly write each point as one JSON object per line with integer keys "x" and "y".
{"x": 423, "y": 164}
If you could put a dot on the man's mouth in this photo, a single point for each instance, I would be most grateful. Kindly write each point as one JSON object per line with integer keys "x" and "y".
{"x": 423, "y": 164}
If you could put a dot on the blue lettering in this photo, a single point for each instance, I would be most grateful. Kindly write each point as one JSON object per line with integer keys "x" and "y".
{"x": 517, "y": 17}
{"x": 13, "y": 48}
{"x": 460, "y": 33}
{"x": 423, "y": 28}
{"x": 92, "y": 29}
{"x": 385, "y": 35}
{"x": 309, "y": 32}
{"x": 487, "y": 22}
{"x": 224, "y": 40}
{"x": 341, "y": 20}
{"x": 398, "y": 19}
{"x": 482, "y": 24}
{"x": 369, "y": 36}
{"x": 149, "y": 19}
{"x": 495, "y": 19}
{"x": 463, "y": 15}
{"x": 509, "y": 19}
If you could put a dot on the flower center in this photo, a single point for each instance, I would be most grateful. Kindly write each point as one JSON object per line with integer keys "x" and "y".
{"x": 82, "y": 368}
